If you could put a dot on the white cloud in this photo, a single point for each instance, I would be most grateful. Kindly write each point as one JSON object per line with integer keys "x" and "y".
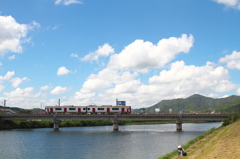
{"x": 238, "y": 91}
{"x": 104, "y": 50}
{"x": 11, "y": 34}
{"x": 188, "y": 79}
{"x": 62, "y": 71}
{"x": 179, "y": 81}
{"x": 17, "y": 81}
{"x": 11, "y": 57}
{"x": 127, "y": 87}
{"x": 229, "y": 3}
{"x": 141, "y": 55}
{"x": 8, "y": 75}
{"x": 74, "y": 55}
{"x": 24, "y": 98}
{"x": 59, "y": 90}
{"x": 44, "y": 88}
{"x": 33, "y": 25}
{"x": 27, "y": 92}
{"x": 104, "y": 79}
{"x": 84, "y": 96}
{"x": 67, "y": 2}
{"x": 233, "y": 60}
{"x": 1, "y": 87}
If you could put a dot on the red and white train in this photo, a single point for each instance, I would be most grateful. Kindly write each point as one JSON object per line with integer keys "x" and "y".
{"x": 104, "y": 109}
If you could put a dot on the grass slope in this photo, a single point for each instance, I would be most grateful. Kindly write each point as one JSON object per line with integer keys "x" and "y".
{"x": 222, "y": 144}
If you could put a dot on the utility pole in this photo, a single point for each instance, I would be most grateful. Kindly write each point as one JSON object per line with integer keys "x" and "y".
{"x": 4, "y": 104}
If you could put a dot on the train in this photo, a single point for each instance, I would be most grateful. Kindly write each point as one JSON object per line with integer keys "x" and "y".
{"x": 91, "y": 109}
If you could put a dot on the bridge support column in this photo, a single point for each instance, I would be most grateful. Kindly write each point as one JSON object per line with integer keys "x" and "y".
{"x": 179, "y": 125}
{"x": 56, "y": 124}
{"x": 115, "y": 123}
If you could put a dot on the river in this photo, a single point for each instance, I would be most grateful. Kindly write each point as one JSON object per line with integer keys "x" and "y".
{"x": 100, "y": 142}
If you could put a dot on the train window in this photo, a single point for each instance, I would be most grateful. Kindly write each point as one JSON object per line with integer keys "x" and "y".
{"x": 72, "y": 108}
{"x": 88, "y": 108}
{"x": 84, "y": 108}
{"x": 115, "y": 108}
{"x": 58, "y": 108}
{"x": 100, "y": 109}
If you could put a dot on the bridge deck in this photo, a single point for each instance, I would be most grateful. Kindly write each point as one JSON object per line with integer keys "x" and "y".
{"x": 160, "y": 117}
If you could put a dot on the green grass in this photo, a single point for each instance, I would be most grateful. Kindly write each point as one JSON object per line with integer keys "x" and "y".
{"x": 186, "y": 146}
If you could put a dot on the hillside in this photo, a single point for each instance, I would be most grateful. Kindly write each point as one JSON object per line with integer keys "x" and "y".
{"x": 21, "y": 110}
{"x": 221, "y": 144}
{"x": 198, "y": 104}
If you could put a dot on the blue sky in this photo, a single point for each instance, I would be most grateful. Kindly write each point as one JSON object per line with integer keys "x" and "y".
{"x": 92, "y": 52}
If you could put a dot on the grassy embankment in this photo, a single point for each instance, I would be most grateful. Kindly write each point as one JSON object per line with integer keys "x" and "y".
{"x": 222, "y": 142}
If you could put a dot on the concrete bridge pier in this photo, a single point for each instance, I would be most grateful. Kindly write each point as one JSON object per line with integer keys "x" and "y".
{"x": 115, "y": 123}
{"x": 179, "y": 125}
{"x": 56, "y": 124}
{"x": 115, "y": 126}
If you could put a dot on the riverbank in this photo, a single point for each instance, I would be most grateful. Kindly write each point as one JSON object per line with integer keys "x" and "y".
{"x": 222, "y": 143}
{"x": 22, "y": 124}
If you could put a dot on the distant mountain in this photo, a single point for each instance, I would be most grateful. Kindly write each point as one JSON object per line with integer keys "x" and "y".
{"x": 21, "y": 110}
{"x": 197, "y": 104}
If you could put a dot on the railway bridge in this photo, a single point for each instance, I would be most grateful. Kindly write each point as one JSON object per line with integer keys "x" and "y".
{"x": 115, "y": 118}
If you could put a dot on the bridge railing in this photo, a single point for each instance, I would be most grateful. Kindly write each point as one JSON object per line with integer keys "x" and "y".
{"x": 166, "y": 115}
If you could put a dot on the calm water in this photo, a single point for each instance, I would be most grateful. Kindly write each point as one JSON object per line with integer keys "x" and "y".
{"x": 130, "y": 142}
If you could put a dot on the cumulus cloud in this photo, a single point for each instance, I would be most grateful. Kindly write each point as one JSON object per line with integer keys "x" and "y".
{"x": 141, "y": 55}
{"x": 1, "y": 87}
{"x": 11, "y": 57}
{"x": 183, "y": 78}
{"x": 67, "y": 2}
{"x": 62, "y": 71}
{"x": 232, "y": 61}
{"x": 17, "y": 81}
{"x": 59, "y": 90}
{"x": 104, "y": 79}
{"x": 178, "y": 81}
{"x": 74, "y": 55}
{"x": 24, "y": 98}
{"x": 230, "y": 3}
{"x": 44, "y": 88}
{"x": 8, "y": 75}
{"x": 33, "y": 25}
{"x": 13, "y": 34}
{"x": 26, "y": 92}
{"x": 238, "y": 91}
{"x": 104, "y": 50}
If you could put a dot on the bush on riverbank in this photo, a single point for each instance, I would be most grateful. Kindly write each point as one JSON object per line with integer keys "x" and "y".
{"x": 231, "y": 119}
{"x": 79, "y": 123}
{"x": 23, "y": 124}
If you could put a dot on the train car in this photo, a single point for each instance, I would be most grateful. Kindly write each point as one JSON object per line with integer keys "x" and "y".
{"x": 104, "y": 109}
{"x": 69, "y": 109}
{"x": 108, "y": 109}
